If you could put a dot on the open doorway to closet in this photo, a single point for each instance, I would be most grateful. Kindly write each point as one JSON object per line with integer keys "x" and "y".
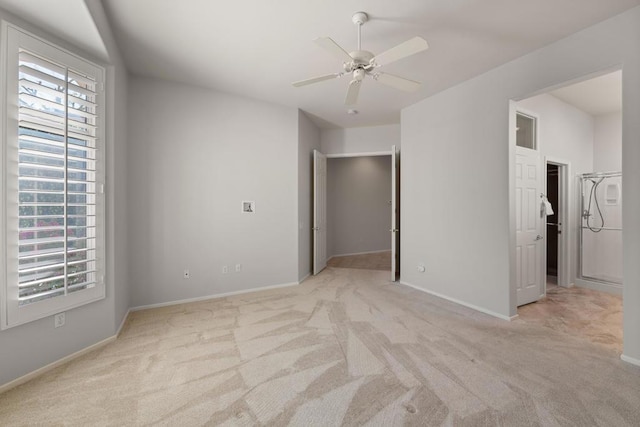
{"x": 556, "y": 228}
{"x": 553, "y": 226}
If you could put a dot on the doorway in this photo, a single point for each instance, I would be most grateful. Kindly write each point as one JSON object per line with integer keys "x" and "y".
{"x": 553, "y": 226}
{"x": 358, "y": 212}
{"x": 556, "y": 233}
{"x": 358, "y": 206}
{"x": 578, "y": 139}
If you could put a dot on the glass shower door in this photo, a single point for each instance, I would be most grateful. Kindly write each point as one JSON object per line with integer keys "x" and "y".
{"x": 601, "y": 227}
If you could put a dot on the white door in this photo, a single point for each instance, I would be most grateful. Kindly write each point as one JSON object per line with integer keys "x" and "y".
{"x": 529, "y": 247}
{"x": 319, "y": 211}
{"x": 395, "y": 216}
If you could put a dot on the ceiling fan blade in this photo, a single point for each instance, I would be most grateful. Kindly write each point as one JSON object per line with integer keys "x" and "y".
{"x": 333, "y": 47}
{"x": 397, "y": 82}
{"x": 316, "y": 79}
{"x": 408, "y": 48}
{"x": 352, "y": 92}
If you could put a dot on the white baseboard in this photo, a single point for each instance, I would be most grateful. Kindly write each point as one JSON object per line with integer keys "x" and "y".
{"x": 361, "y": 253}
{"x": 214, "y": 296}
{"x": 124, "y": 320}
{"x": 304, "y": 278}
{"x": 465, "y": 304}
{"x": 631, "y": 360}
{"x": 33, "y": 374}
{"x": 609, "y": 288}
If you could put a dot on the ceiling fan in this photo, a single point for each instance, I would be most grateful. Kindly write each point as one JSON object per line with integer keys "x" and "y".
{"x": 361, "y": 63}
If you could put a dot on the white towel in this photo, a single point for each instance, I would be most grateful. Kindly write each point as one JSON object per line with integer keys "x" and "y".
{"x": 547, "y": 209}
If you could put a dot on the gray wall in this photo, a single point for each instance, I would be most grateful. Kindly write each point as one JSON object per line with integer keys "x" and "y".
{"x": 28, "y": 347}
{"x": 195, "y": 155}
{"x": 462, "y": 225}
{"x": 358, "y": 210}
{"x": 607, "y": 150}
{"x": 308, "y": 140}
{"x": 360, "y": 140}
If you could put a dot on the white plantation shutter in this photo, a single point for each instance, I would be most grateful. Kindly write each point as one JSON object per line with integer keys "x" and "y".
{"x": 54, "y": 208}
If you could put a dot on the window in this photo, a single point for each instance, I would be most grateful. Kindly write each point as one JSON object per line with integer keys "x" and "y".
{"x": 52, "y": 177}
{"x": 526, "y": 131}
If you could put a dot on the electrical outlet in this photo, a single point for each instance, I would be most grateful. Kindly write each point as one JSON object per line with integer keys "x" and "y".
{"x": 58, "y": 320}
{"x": 238, "y": 268}
{"x": 225, "y": 269}
{"x": 187, "y": 275}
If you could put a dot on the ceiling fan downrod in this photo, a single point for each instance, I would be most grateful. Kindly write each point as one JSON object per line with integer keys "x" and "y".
{"x": 359, "y": 18}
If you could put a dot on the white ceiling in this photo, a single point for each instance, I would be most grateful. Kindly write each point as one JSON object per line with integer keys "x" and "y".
{"x": 601, "y": 95}
{"x": 54, "y": 17}
{"x": 256, "y": 48}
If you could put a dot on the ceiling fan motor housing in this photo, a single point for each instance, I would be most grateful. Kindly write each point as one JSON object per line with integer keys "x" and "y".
{"x": 361, "y": 59}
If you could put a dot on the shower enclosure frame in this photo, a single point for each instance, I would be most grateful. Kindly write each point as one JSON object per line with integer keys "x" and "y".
{"x": 590, "y": 281}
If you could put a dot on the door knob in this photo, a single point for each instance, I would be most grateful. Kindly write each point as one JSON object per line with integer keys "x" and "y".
{"x": 538, "y": 237}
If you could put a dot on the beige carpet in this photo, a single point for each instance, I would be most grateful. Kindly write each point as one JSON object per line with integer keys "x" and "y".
{"x": 345, "y": 347}
{"x": 592, "y": 315}
{"x": 372, "y": 261}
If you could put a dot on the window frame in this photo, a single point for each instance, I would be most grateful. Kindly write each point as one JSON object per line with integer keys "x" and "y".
{"x": 11, "y": 313}
{"x": 534, "y": 128}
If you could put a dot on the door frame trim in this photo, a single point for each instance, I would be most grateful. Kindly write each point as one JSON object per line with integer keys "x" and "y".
{"x": 564, "y": 248}
{"x": 395, "y": 214}
{"x": 317, "y": 227}
{"x": 366, "y": 154}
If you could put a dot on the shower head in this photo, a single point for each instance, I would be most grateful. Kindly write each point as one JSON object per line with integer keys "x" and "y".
{"x": 593, "y": 196}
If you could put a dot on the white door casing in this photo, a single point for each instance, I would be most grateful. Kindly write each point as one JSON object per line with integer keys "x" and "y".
{"x": 395, "y": 218}
{"x": 529, "y": 278}
{"x": 319, "y": 211}
{"x": 562, "y": 215}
